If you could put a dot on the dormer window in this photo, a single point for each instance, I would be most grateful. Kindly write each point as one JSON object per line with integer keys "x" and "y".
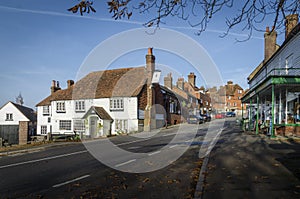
{"x": 60, "y": 107}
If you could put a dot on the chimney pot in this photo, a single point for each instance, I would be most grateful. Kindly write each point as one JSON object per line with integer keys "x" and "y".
{"x": 70, "y": 83}
{"x": 267, "y": 29}
{"x": 150, "y": 51}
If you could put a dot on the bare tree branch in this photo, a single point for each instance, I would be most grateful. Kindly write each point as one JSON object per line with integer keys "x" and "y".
{"x": 199, "y": 13}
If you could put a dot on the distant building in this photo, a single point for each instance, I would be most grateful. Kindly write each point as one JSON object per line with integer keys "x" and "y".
{"x": 234, "y": 93}
{"x": 20, "y": 100}
{"x": 193, "y": 100}
{"x": 17, "y": 123}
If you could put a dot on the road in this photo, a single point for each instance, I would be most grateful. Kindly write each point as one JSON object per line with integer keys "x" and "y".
{"x": 147, "y": 165}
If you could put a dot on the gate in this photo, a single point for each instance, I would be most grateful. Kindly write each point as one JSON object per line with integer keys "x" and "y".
{"x": 10, "y": 133}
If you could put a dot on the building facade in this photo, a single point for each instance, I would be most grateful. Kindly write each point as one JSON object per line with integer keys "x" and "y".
{"x": 17, "y": 123}
{"x": 274, "y": 86}
{"x": 106, "y": 102}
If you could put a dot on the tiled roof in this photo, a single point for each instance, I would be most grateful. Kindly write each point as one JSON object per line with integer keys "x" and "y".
{"x": 27, "y": 112}
{"x": 100, "y": 111}
{"x": 124, "y": 82}
{"x": 231, "y": 88}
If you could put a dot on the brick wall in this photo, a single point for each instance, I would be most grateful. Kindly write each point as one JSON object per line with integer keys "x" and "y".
{"x": 23, "y": 132}
{"x": 142, "y": 98}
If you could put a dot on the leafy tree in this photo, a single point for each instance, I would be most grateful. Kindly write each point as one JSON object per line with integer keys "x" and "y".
{"x": 198, "y": 13}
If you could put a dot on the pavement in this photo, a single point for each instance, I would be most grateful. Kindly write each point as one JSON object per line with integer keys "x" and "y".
{"x": 245, "y": 165}
{"x": 30, "y": 148}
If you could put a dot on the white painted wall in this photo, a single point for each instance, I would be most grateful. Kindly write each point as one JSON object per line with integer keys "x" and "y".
{"x": 129, "y": 113}
{"x": 17, "y": 115}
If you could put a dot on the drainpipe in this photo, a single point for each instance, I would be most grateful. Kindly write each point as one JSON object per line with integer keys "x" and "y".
{"x": 280, "y": 108}
{"x": 286, "y": 106}
{"x": 250, "y": 114}
{"x": 257, "y": 102}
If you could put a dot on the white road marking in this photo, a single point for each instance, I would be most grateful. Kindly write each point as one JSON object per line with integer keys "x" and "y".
{"x": 173, "y": 146}
{"x": 125, "y": 143}
{"x": 42, "y": 159}
{"x": 156, "y": 152}
{"x": 129, "y": 161}
{"x": 165, "y": 135}
{"x": 70, "y": 181}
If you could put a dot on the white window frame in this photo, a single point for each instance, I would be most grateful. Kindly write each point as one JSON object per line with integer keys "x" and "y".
{"x": 79, "y": 126}
{"x": 116, "y": 104}
{"x": 46, "y": 110}
{"x": 121, "y": 125}
{"x": 65, "y": 125}
{"x": 60, "y": 107}
{"x": 80, "y": 106}
{"x": 44, "y": 129}
{"x": 9, "y": 117}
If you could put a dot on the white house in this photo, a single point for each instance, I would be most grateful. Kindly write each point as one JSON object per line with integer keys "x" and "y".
{"x": 99, "y": 104}
{"x": 11, "y": 114}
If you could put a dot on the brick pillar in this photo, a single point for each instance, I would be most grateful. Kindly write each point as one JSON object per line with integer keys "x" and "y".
{"x": 23, "y": 132}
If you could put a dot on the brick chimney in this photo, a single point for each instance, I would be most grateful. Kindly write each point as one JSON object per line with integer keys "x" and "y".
{"x": 180, "y": 83}
{"x": 70, "y": 83}
{"x": 55, "y": 86}
{"x": 229, "y": 82}
{"x": 150, "y": 112}
{"x": 270, "y": 43}
{"x": 168, "y": 81}
{"x": 150, "y": 64}
{"x": 290, "y": 22}
{"x": 192, "y": 79}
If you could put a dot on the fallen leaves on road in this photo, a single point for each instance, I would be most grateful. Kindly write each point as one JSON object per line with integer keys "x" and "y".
{"x": 146, "y": 180}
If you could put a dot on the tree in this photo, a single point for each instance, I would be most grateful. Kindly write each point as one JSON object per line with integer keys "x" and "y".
{"x": 198, "y": 13}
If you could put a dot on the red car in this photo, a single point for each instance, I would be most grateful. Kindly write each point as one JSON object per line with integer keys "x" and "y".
{"x": 220, "y": 116}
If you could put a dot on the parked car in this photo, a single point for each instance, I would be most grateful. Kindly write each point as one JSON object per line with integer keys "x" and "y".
{"x": 206, "y": 117}
{"x": 220, "y": 116}
{"x": 230, "y": 114}
{"x": 193, "y": 119}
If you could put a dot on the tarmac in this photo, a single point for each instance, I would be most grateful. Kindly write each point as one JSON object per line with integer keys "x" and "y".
{"x": 245, "y": 165}
{"x": 241, "y": 165}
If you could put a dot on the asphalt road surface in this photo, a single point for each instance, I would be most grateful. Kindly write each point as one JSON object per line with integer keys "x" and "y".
{"x": 161, "y": 164}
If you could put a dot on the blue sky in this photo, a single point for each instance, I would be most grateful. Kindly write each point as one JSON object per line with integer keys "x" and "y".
{"x": 41, "y": 41}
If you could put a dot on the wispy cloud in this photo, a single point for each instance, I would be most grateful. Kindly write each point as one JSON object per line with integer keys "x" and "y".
{"x": 122, "y": 21}
{"x": 66, "y": 15}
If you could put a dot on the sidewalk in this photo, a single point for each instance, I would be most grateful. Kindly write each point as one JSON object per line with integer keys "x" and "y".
{"x": 30, "y": 148}
{"x": 245, "y": 165}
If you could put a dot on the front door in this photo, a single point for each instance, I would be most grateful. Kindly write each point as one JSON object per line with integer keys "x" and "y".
{"x": 93, "y": 126}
